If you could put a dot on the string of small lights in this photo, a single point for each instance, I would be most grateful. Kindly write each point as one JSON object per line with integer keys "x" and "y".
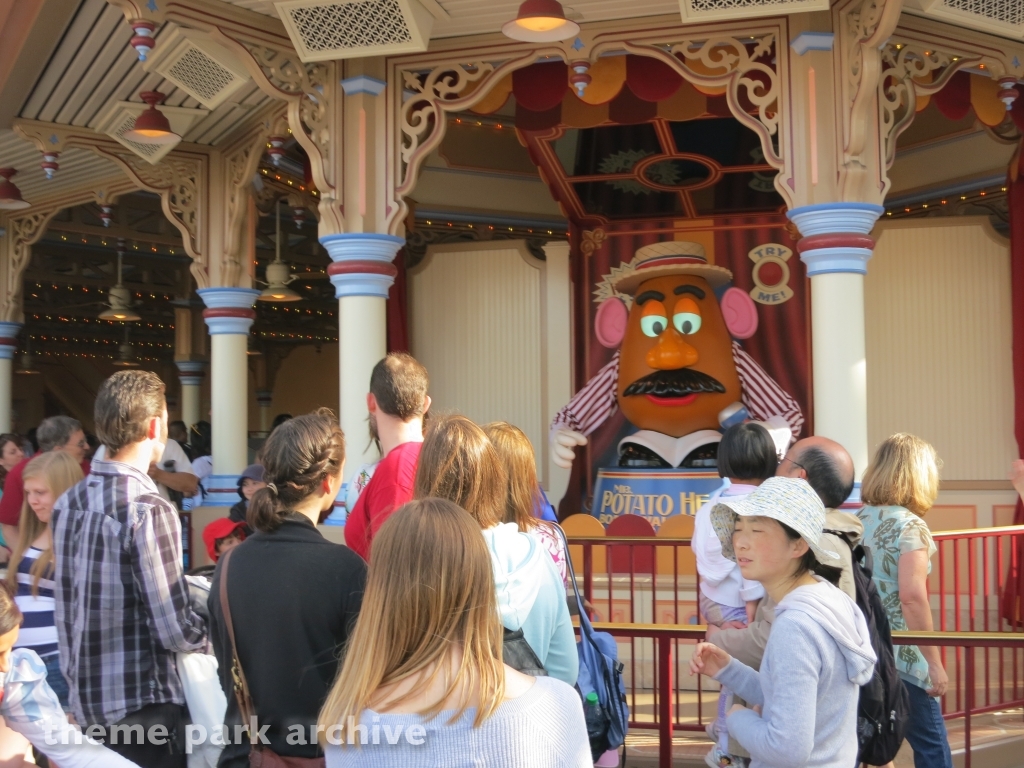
{"x": 470, "y": 227}
{"x": 275, "y": 308}
{"x": 106, "y": 342}
{"x": 277, "y": 175}
{"x": 99, "y": 323}
{"x": 291, "y": 336}
{"x": 85, "y": 289}
{"x": 136, "y": 245}
{"x": 923, "y": 208}
{"x": 91, "y": 356}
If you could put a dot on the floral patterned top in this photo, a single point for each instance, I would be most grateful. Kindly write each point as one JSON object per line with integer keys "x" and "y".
{"x": 552, "y": 542}
{"x": 891, "y": 532}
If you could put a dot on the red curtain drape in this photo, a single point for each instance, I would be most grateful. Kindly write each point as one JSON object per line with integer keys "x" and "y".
{"x": 1013, "y": 597}
{"x": 397, "y": 311}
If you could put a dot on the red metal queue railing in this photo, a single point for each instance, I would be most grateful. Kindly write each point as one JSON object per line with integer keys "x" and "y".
{"x": 639, "y": 587}
{"x": 666, "y": 711}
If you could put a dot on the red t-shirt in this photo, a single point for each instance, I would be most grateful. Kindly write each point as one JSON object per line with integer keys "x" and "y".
{"x": 14, "y": 492}
{"x": 388, "y": 489}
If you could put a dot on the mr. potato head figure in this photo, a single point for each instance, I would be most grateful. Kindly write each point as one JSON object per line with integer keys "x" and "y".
{"x": 679, "y": 374}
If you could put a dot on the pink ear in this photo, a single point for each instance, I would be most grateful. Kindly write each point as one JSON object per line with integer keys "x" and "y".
{"x": 740, "y": 313}
{"x": 610, "y": 322}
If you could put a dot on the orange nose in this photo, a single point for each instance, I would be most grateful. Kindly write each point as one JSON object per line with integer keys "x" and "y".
{"x": 671, "y": 352}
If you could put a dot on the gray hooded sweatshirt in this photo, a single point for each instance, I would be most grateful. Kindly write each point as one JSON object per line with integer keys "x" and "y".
{"x": 818, "y": 655}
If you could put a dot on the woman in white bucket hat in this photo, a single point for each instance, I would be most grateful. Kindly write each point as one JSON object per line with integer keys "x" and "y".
{"x": 819, "y": 651}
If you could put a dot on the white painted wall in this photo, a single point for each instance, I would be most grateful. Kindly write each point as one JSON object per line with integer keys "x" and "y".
{"x": 492, "y": 325}
{"x": 938, "y": 325}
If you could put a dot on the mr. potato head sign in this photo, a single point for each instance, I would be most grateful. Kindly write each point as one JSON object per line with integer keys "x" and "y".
{"x": 679, "y": 374}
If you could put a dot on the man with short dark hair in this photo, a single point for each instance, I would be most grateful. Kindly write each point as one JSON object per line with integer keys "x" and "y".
{"x": 122, "y": 604}
{"x": 397, "y": 403}
{"x": 56, "y": 433}
{"x": 178, "y": 432}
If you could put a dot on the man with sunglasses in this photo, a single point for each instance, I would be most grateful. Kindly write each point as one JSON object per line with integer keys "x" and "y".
{"x": 57, "y": 433}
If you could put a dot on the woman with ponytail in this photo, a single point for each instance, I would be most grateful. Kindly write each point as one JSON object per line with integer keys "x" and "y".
{"x": 292, "y": 596}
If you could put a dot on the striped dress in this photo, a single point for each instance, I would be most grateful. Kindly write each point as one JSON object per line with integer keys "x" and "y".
{"x": 38, "y": 630}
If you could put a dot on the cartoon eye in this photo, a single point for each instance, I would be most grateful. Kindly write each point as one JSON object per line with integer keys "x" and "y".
{"x": 653, "y": 325}
{"x": 686, "y": 316}
{"x": 653, "y": 318}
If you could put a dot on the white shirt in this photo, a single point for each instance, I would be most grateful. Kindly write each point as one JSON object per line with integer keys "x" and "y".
{"x": 720, "y": 578}
{"x": 172, "y": 452}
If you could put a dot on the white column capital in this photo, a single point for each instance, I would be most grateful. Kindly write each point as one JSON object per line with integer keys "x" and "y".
{"x": 363, "y": 84}
{"x": 191, "y": 372}
{"x": 228, "y": 310}
{"x": 9, "y": 339}
{"x": 362, "y": 263}
{"x": 835, "y": 236}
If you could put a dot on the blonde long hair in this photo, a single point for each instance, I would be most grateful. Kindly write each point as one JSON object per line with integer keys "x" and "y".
{"x": 904, "y": 473}
{"x": 59, "y": 471}
{"x": 457, "y": 462}
{"x": 522, "y": 495}
{"x": 429, "y": 590}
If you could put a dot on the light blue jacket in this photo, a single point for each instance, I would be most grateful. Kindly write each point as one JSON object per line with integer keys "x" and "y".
{"x": 531, "y": 597}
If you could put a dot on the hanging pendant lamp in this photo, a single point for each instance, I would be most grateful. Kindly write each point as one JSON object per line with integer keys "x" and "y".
{"x": 126, "y": 352}
{"x": 120, "y": 309}
{"x": 278, "y": 273}
{"x": 10, "y": 195}
{"x": 152, "y": 126}
{"x": 540, "y": 21}
{"x": 28, "y": 365}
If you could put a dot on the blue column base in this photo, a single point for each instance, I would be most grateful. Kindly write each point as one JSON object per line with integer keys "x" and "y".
{"x": 221, "y": 491}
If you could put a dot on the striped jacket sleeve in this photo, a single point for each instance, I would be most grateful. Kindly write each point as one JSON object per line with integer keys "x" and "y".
{"x": 592, "y": 405}
{"x": 762, "y": 395}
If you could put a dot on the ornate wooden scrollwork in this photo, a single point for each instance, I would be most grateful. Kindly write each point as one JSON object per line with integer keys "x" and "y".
{"x": 22, "y": 232}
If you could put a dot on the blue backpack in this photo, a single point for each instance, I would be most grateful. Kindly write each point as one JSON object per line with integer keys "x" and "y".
{"x": 600, "y": 673}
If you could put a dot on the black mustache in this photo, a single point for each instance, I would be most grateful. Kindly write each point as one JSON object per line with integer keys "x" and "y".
{"x": 677, "y": 383}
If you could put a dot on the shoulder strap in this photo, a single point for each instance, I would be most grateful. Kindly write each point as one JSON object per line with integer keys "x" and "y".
{"x": 245, "y": 706}
{"x": 585, "y": 628}
{"x": 840, "y": 535}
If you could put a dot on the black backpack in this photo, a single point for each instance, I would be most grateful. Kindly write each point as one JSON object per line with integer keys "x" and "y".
{"x": 884, "y": 706}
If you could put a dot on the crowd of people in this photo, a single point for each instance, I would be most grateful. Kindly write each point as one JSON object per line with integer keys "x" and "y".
{"x": 395, "y": 650}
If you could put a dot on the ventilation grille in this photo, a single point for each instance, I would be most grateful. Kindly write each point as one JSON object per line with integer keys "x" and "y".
{"x": 202, "y": 75}
{"x": 206, "y": 70}
{"x": 350, "y": 28}
{"x": 998, "y": 11}
{"x": 1001, "y": 17}
{"x": 713, "y": 10}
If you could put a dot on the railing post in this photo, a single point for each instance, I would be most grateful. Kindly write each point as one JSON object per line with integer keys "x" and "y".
{"x": 968, "y": 702}
{"x": 665, "y": 701}
{"x": 588, "y": 574}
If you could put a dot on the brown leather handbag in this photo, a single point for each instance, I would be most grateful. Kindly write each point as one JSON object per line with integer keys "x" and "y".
{"x": 260, "y": 756}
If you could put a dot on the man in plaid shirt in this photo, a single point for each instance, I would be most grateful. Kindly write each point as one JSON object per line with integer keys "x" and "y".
{"x": 122, "y": 603}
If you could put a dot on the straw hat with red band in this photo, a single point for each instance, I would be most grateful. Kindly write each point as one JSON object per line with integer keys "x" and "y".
{"x": 673, "y": 257}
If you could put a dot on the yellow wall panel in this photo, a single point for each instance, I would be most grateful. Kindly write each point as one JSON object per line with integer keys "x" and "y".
{"x": 938, "y": 335}
{"x": 475, "y": 323}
